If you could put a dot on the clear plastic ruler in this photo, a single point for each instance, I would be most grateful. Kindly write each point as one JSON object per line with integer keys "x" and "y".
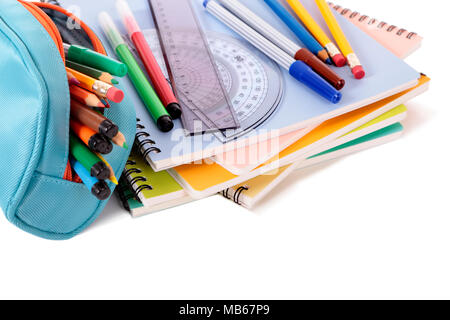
{"x": 193, "y": 69}
{"x": 253, "y": 81}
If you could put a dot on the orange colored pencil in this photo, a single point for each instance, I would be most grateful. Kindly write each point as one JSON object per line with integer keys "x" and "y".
{"x": 72, "y": 79}
{"x": 86, "y": 97}
{"x": 101, "y": 88}
{"x": 95, "y": 141}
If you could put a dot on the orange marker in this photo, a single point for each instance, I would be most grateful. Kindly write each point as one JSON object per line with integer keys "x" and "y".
{"x": 86, "y": 97}
{"x": 101, "y": 88}
{"x": 95, "y": 141}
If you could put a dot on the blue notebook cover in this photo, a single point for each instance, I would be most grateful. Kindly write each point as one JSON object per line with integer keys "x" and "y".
{"x": 299, "y": 108}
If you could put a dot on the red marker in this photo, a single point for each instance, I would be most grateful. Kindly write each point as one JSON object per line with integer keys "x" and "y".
{"x": 157, "y": 77}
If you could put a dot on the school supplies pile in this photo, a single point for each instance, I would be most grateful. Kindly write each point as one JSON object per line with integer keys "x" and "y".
{"x": 91, "y": 81}
{"x": 259, "y": 87}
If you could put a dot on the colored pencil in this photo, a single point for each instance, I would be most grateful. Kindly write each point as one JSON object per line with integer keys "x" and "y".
{"x": 159, "y": 81}
{"x": 308, "y": 40}
{"x": 284, "y": 43}
{"x": 309, "y": 22}
{"x": 95, "y": 141}
{"x": 120, "y": 140}
{"x": 85, "y": 97}
{"x": 297, "y": 69}
{"x": 92, "y": 72}
{"x": 339, "y": 36}
{"x": 112, "y": 177}
{"x": 72, "y": 79}
{"x": 101, "y": 88}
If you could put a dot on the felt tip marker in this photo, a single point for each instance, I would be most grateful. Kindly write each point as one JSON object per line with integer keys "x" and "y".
{"x": 297, "y": 69}
{"x": 97, "y": 187}
{"x": 159, "y": 81}
{"x": 137, "y": 76}
{"x": 284, "y": 43}
{"x": 94, "y": 59}
{"x": 93, "y": 164}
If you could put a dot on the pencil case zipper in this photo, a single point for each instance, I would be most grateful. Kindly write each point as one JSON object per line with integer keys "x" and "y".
{"x": 35, "y": 9}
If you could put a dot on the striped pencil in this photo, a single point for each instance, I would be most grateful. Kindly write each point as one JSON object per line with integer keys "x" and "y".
{"x": 101, "y": 88}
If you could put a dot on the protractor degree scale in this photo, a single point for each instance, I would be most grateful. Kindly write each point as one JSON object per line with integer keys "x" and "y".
{"x": 253, "y": 82}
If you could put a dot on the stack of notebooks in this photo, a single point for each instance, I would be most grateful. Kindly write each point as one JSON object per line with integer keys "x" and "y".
{"x": 166, "y": 171}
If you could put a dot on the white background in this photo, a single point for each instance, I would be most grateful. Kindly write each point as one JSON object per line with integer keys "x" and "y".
{"x": 374, "y": 225}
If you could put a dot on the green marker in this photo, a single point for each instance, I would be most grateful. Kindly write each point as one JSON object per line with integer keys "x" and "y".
{"x": 88, "y": 159}
{"x": 95, "y": 60}
{"x": 137, "y": 76}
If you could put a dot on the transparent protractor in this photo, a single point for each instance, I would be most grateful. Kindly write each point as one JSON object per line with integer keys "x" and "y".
{"x": 253, "y": 81}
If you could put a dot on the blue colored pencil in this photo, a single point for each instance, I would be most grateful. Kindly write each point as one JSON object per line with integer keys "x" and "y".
{"x": 97, "y": 187}
{"x": 308, "y": 40}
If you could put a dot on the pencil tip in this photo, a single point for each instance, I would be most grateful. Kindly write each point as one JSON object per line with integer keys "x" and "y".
{"x": 114, "y": 180}
{"x": 101, "y": 105}
{"x": 323, "y": 55}
{"x": 114, "y": 81}
{"x": 125, "y": 145}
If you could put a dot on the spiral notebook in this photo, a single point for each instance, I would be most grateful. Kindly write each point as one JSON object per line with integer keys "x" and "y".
{"x": 398, "y": 40}
{"x": 152, "y": 188}
{"x": 246, "y": 194}
{"x": 249, "y": 193}
{"x": 201, "y": 180}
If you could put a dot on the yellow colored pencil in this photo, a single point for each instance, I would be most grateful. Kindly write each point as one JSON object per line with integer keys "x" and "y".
{"x": 341, "y": 40}
{"x": 311, "y": 24}
{"x": 112, "y": 177}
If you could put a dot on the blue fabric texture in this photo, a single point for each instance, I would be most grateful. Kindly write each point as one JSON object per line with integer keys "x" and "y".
{"x": 34, "y": 129}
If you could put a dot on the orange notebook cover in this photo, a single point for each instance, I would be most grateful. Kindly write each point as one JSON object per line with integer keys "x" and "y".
{"x": 201, "y": 180}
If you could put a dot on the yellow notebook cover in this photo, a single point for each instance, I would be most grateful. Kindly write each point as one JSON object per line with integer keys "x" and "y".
{"x": 252, "y": 191}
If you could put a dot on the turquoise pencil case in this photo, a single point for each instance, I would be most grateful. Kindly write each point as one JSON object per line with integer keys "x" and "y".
{"x": 37, "y": 190}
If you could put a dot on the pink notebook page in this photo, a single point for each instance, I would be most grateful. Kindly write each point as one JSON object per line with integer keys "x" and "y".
{"x": 400, "y": 41}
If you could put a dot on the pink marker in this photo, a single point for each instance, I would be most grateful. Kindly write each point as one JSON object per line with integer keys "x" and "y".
{"x": 159, "y": 81}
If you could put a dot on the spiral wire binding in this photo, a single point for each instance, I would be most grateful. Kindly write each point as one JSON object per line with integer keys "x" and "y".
{"x": 143, "y": 141}
{"x": 237, "y": 194}
{"x": 122, "y": 189}
{"x": 134, "y": 180}
{"x": 372, "y": 21}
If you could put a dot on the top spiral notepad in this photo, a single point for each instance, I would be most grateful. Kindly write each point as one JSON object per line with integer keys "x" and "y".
{"x": 400, "y": 41}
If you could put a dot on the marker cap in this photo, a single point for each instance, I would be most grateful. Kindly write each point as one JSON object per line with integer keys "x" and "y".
{"x": 100, "y": 171}
{"x": 127, "y": 17}
{"x": 101, "y": 190}
{"x": 312, "y": 80}
{"x": 110, "y": 29}
{"x": 320, "y": 68}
